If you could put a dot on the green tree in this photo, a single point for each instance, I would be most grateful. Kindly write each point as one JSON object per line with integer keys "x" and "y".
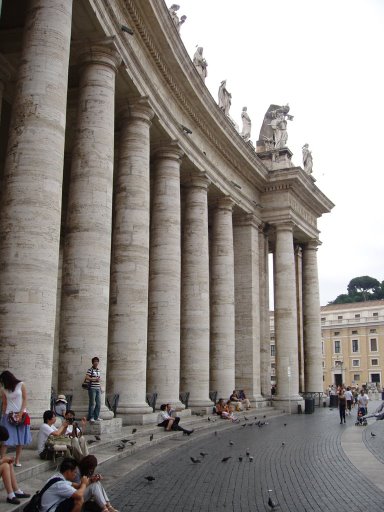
{"x": 367, "y": 286}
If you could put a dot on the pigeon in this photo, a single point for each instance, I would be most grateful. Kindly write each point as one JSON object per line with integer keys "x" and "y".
{"x": 244, "y": 425}
{"x": 134, "y": 430}
{"x": 209, "y": 419}
{"x": 250, "y": 459}
{"x": 215, "y": 433}
{"x": 91, "y": 441}
{"x": 282, "y": 444}
{"x": 285, "y": 424}
{"x": 240, "y": 459}
{"x": 131, "y": 442}
{"x": 124, "y": 440}
{"x": 98, "y": 438}
{"x": 246, "y": 419}
{"x": 250, "y": 424}
{"x": 272, "y": 504}
{"x": 151, "y": 437}
{"x": 373, "y": 435}
{"x": 120, "y": 448}
{"x": 150, "y": 478}
{"x": 231, "y": 443}
{"x": 224, "y": 459}
{"x": 195, "y": 461}
{"x": 247, "y": 452}
{"x": 255, "y": 417}
{"x": 203, "y": 454}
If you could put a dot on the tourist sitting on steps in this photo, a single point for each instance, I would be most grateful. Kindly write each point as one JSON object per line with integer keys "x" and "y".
{"x": 7, "y": 473}
{"x": 164, "y": 419}
{"x": 95, "y": 492}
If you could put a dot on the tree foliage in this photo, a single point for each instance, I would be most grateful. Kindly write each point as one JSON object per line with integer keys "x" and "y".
{"x": 361, "y": 289}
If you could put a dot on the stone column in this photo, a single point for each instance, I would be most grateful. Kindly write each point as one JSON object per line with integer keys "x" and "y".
{"x": 127, "y": 349}
{"x": 247, "y": 306}
{"x": 163, "y": 364}
{"x": 31, "y": 200}
{"x": 299, "y": 303}
{"x": 312, "y": 323}
{"x": 265, "y": 331}
{"x": 5, "y": 76}
{"x": 86, "y": 260}
{"x": 195, "y": 294}
{"x": 287, "y": 370}
{"x": 222, "y": 347}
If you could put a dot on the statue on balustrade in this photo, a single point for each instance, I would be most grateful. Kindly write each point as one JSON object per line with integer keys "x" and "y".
{"x": 273, "y": 132}
{"x": 200, "y": 63}
{"x": 224, "y": 98}
{"x": 175, "y": 18}
{"x": 307, "y": 159}
{"x": 246, "y": 131}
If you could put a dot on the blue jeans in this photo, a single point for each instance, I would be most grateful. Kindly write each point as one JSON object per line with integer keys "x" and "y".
{"x": 94, "y": 396}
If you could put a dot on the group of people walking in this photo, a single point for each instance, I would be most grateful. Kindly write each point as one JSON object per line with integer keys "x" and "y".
{"x": 346, "y": 401}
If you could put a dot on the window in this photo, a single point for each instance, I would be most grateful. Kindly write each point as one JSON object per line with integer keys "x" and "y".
{"x": 273, "y": 350}
{"x": 374, "y": 362}
{"x": 373, "y": 344}
{"x": 355, "y": 362}
{"x": 355, "y": 345}
{"x": 371, "y": 331}
{"x": 356, "y": 376}
{"x": 357, "y": 315}
{"x": 323, "y": 362}
{"x": 354, "y": 332}
{"x": 340, "y": 317}
{"x": 336, "y": 333}
{"x": 337, "y": 346}
{"x": 273, "y": 366}
{"x": 322, "y": 347}
{"x": 375, "y": 314}
{"x": 323, "y": 318}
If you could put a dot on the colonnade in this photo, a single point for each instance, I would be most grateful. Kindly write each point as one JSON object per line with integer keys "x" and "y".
{"x": 164, "y": 282}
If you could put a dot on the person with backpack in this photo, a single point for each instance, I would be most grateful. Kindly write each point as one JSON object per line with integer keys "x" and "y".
{"x": 61, "y": 494}
{"x": 7, "y": 473}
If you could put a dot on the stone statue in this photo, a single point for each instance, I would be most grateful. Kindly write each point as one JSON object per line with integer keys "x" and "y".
{"x": 200, "y": 63}
{"x": 175, "y": 18}
{"x": 246, "y": 131}
{"x": 224, "y": 98}
{"x": 307, "y": 159}
{"x": 273, "y": 133}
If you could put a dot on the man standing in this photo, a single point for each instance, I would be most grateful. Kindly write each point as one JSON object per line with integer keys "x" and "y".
{"x": 94, "y": 391}
{"x": 349, "y": 398}
{"x": 64, "y": 495}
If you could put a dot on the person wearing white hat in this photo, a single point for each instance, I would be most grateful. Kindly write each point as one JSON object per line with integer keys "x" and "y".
{"x": 60, "y": 406}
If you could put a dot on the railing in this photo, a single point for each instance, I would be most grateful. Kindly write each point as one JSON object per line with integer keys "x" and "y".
{"x": 112, "y": 402}
{"x": 317, "y": 395}
{"x": 151, "y": 400}
{"x": 184, "y": 398}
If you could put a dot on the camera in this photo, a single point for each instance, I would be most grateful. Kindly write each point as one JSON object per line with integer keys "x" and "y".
{"x": 70, "y": 420}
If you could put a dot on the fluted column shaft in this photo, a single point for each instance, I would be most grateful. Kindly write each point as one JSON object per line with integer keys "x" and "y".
{"x": 195, "y": 294}
{"x": 311, "y": 315}
{"x": 265, "y": 331}
{"x": 285, "y": 315}
{"x": 247, "y": 306}
{"x": 86, "y": 261}
{"x": 299, "y": 302}
{"x": 222, "y": 346}
{"x": 127, "y": 350}
{"x": 163, "y": 366}
{"x": 31, "y": 200}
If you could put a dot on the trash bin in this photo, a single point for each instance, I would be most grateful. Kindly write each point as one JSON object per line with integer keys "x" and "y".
{"x": 309, "y": 405}
{"x": 333, "y": 401}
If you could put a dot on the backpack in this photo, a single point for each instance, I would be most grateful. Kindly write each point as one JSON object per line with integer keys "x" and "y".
{"x": 34, "y": 504}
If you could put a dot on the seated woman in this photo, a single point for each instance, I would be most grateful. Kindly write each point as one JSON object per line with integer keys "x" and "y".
{"x": 240, "y": 398}
{"x": 164, "y": 419}
{"x": 224, "y": 410}
{"x": 60, "y": 407}
{"x": 95, "y": 491}
{"x": 7, "y": 473}
{"x": 78, "y": 443}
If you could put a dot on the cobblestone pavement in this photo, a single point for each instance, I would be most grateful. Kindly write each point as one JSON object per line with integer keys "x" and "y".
{"x": 302, "y": 463}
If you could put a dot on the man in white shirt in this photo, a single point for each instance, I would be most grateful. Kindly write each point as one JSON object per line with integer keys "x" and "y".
{"x": 362, "y": 402}
{"x": 349, "y": 398}
{"x": 64, "y": 495}
{"x": 47, "y": 429}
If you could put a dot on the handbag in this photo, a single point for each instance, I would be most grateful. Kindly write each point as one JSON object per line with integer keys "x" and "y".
{"x": 13, "y": 420}
{"x": 85, "y": 384}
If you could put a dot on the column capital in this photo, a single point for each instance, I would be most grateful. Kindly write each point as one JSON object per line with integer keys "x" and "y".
{"x": 170, "y": 151}
{"x": 312, "y": 245}
{"x": 284, "y": 226}
{"x": 225, "y": 203}
{"x": 140, "y": 110}
{"x": 247, "y": 219}
{"x": 100, "y": 54}
{"x": 198, "y": 179}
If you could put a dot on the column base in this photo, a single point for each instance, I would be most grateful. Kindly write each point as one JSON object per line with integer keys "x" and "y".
{"x": 104, "y": 427}
{"x": 288, "y": 404}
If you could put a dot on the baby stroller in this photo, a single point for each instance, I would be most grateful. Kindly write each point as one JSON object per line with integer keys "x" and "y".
{"x": 361, "y": 420}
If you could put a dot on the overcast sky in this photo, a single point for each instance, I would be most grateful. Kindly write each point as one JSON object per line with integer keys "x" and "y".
{"x": 324, "y": 58}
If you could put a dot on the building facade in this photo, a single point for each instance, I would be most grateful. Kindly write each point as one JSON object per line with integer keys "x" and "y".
{"x": 136, "y": 222}
{"x": 353, "y": 343}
